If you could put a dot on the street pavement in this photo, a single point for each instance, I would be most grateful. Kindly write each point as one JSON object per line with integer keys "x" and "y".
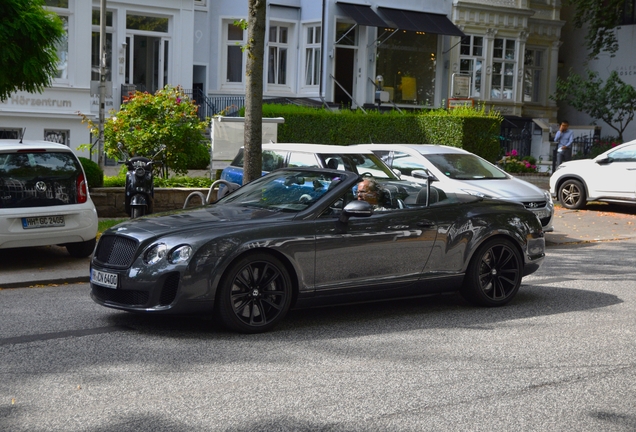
{"x": 32, "y": 267}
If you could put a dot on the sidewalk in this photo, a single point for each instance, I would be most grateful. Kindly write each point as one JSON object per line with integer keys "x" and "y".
{"x": 32, "y": 267}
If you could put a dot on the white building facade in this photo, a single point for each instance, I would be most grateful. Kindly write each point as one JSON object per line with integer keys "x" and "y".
{"x": 503, "y": 53}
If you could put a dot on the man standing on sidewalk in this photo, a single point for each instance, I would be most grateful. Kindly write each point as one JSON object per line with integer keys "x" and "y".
{"x": 564, "y": 138}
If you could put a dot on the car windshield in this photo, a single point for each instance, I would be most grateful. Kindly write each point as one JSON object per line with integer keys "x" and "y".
{"x": 286, "y": 190}
{"x": 461, "y": 166}
{"x": 29, "y": 179}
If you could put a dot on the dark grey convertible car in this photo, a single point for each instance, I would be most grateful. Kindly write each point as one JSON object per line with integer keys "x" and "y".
{"x": 299, "y": 237}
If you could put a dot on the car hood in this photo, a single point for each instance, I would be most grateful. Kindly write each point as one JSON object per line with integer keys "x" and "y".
{"x": 206, "y": 218}
{"x": 511, "y": 189}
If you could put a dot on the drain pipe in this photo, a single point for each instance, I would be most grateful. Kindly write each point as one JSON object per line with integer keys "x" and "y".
{"x": 322, "y": 54}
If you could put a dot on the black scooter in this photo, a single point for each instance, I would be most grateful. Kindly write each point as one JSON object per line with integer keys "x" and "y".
{"x": 140, "y": 188}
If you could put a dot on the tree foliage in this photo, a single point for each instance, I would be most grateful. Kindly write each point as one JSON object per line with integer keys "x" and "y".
{"x": 146, "y": 121}
{"x": 601, "y": 19}
{"x": 612, "y": 101}
{"x": 28, "y": 37}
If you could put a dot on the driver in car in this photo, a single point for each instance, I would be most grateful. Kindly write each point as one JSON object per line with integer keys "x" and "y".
{"x": 370, "y": 191}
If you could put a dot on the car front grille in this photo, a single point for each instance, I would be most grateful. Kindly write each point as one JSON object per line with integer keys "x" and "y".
{"x": 123, "y": 297}
{"x": 116, "y": 251}
{"x": 533, "y": 205}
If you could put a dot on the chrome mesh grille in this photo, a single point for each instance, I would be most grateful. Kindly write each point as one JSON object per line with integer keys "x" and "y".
{"x": 533, "y": 205}
{"x": 116, "y": 251}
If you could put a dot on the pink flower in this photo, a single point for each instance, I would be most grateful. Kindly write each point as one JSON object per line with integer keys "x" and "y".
{"x": 514, "y": 153}
{"x": 178, "y": 100}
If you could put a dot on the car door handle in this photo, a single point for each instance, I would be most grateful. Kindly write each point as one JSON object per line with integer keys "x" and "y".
{"x": 426, "y": 224}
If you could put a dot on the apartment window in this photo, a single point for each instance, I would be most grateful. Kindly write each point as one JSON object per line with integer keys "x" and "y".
{"x": 10, "y": 133}
{"x": 532, "y": 74}
{"x": 471, "y": 61}
{"x": 503, "y": 69}
{"x": 277, "y": 58}
{"x": 95, "y": 63}
{"x": 235, "y": 59}
{"x": 312, "y": 55}
{"x": 57, "y": 136}
{"x": 60, "y": 7}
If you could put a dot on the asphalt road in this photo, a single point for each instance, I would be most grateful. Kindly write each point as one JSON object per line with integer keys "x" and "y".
{"x": 560, "y": 357}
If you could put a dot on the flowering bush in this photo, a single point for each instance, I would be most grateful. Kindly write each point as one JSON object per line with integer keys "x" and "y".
{"x": 513, "y": 163}
{"x": 146, "y": 121}
{"x": 603, "y": 145}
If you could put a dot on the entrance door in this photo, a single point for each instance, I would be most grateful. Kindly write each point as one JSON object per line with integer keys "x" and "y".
{"x": 147, "y": 62}
{"x": 345, "y": 66}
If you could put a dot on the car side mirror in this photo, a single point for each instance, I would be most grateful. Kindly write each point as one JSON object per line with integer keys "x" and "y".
{"x": 603, "y": 161}
{"x": 357, "y": 208}
{"x": 397, "y": 172}
{"x": 423, "y": 174}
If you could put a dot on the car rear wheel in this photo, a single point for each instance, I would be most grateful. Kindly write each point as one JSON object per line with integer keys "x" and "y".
{"x": 572, "y": 194}
{"x": 81, "y": 249}
{"x": 494, "y": 274}
{"x": 255, "y": 294}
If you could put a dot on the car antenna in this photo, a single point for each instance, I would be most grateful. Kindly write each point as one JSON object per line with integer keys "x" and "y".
{"x": 22, "y": 134}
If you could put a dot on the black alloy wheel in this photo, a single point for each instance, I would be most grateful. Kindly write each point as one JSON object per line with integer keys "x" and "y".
{"x": 572, "y": 194}
{"x": 255, "y": 294}
{"x": 494, "y": 274}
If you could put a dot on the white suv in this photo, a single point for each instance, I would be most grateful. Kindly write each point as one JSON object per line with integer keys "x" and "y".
{"x": 44, "y": 198}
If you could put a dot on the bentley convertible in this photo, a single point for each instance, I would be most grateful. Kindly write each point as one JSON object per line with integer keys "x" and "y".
{"x": 300, "y": 237}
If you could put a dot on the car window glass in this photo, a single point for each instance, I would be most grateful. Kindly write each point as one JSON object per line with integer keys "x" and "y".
{"x": 273, "y": 159}
{"x": 367, "y": 164}
{"x": 624, "y": 155}
{"x": 238, "y": 159}
{"x": 38, "y": 179}
{"x": 303, "y": 160}
{"x": 465, "y": 167}
{"x": 284, "y": 190}
{"x": 406, "y": 163}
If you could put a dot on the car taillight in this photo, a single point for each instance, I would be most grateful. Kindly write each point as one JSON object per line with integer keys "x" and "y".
{"x": 82, "y": 191}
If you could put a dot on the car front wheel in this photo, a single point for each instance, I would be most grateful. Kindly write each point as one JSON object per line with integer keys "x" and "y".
{"x": 494, "y": 274}
{"x": 255, "y": 294}
{"x": 572, "y": 194}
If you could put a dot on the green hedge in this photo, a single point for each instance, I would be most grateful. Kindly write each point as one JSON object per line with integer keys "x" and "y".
{"x": 94, "y": 174}
{"x": 475, "y": 130}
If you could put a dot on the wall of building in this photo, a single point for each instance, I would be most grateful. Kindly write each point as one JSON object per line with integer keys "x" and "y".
{"x": 573, "y": 56}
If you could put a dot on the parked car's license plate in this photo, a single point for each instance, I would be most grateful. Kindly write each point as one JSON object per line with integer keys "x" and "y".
{"x": 42, "y": 222}
{"x": 109, "y": 280}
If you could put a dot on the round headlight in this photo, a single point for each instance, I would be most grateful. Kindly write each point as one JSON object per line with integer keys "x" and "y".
{"x": 155, "y": 254}
{"x": 180, "y": 254}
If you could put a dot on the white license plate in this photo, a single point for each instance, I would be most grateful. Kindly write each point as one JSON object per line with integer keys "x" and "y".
{"x": 109, "y": 280}
{"x": 42, "y": 222}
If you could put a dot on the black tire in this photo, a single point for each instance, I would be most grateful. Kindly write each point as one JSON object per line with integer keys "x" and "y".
{"x": 494, "y": 274}
{"x": 255, "y": 294}
{"x": 137, "y": 211}
{"x": 81, "y": 249}
{"x": 572, "y": 194}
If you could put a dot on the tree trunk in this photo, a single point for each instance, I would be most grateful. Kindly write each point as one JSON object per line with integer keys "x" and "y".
{"x": 252, "y": 166}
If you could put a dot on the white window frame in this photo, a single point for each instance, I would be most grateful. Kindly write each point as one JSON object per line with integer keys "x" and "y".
{"x": 476, "y": 55}
{"x": 58, "y": 136}
{"x": 537, "y": 75}
{"x": 505, "y": 63}
{"x": 312, "y": 56}
{"x": 65, "y": 14}
{"x": 226, "y": 45}
{"x": 278, "y": 46}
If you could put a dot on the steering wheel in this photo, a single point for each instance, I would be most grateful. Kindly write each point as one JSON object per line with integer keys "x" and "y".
{"x": 366, "y": 174}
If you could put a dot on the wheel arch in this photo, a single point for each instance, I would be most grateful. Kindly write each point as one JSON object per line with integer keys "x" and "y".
{"x": 499, "y": 235}
{"x": 567, "y": 177}
{"x": 293, "y": 274}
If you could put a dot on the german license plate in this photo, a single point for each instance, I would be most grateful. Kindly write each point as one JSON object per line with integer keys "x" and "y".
{"x": 542, "y": 213}
{"x": 42, "y": 222}
{"x": 108, "y": 280}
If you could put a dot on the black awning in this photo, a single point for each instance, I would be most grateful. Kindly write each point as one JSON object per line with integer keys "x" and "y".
{"x": 363, "y": 15}
{"x": 421, "y": 21}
